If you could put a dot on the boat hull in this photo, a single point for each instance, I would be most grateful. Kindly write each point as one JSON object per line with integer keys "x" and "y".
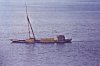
{"x": 38, "y": 41}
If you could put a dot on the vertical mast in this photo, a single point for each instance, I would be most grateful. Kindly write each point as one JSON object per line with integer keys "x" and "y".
{"x": 29, "y": 24}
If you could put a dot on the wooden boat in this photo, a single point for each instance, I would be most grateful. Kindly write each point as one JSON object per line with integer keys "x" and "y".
{"x": 60, "y": 38}
{"x": 39, "y": 41}
{"x": 47, "y": 40}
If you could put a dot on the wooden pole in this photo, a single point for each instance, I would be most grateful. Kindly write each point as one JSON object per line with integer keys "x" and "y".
{"x": 29, "y": 23}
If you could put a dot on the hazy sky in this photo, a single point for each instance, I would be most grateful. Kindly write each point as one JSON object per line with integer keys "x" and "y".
{"x": 40, "y": 1}
{"x": 88, "y": 5}
{"x": 21, "y": 2}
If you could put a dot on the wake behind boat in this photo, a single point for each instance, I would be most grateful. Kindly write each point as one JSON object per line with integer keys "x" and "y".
{"x": 59, "y": 38}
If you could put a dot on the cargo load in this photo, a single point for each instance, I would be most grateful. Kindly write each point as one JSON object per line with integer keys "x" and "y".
{"x": 30, "y": 40}
{"x": 47, "y": 40}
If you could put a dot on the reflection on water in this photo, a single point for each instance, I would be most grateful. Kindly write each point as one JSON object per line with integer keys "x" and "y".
{"x": 79, "y": 20}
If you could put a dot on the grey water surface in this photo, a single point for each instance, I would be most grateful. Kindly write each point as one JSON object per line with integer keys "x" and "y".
{"x": 76, "y": 19}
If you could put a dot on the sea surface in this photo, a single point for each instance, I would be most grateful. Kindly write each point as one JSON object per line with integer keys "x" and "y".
{"x": 76, "y": 19}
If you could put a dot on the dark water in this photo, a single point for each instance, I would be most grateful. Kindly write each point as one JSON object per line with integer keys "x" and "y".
{"x": 76, "y": 19}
